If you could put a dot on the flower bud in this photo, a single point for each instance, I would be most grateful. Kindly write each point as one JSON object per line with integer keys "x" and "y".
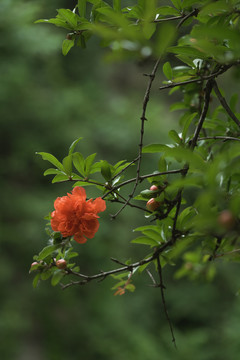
{"x": 154, "y": 188}
{"x": 152, "y": 204}
{"x": 226, "y": 219}
{"x": 61, "y": 264}
{"x": 34, "y": 264}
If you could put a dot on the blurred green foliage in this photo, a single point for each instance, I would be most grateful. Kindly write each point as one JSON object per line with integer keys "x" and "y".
{"x": 46, "y": 102}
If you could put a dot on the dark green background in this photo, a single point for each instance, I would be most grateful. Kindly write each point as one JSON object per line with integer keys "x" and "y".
{"x": 46, "y": 102}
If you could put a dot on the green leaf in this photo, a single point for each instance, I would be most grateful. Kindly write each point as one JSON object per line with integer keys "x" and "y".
{"x": 187, "y": 50}
{"x": 48, "y": 250}
{"x": 96, "y": 167}
{"x": 121, "y": 276}
{"x": 167, "y": 70}
{"x": 148, "y": 30}
{"x": 162, "y": 164}
{"x": 186, "y": 215}
{"x": 117, "y": 5}
{"x": 174, "y": 135}
{"x": 165, "y": 37}
{"x": 187, "y": 122}
{"x": 81, "y": 41}
{"x": 148, "y": 227}
{"x": 73, "y": 145}
{"x": 130, "y": 287}
{"x": 85, "y": 183}
{"x": 79, "y": 162}
{"x": 46, "y": 274}
{"x": 194, "y": 160}
{"x": 57, "y": 276}
{"x": 34, "y": 268}
{"x": 188, "y": 3}
{"x": 145, "y": 241}
{"x": 167, "y": 10}
{"x": 68, "y": 16}
{"x": 82, "y": 4}
{"x": 143, "y": 267}
{"x": 120, "y": 283}
{"x": 66, "y": 46}
{"x": 106, "y": 170}
{"x": 187, "y": 182}
{"x": 60, "y": 178}
{"x": 215, "y": 8}
{"x": 88, "y": 163}
{"x": 154, "y": 148}
{"x": 36, "y": 280}
{"x": 71, "y": 255}
{"x": 51, "y": 159}
{"x": 52, "y": 171}
{"x": 56, "y": 21}
{"x": 118, "y": 167}
{"x": 177, "y": 4}
{"x": 67, "y": 164}
{"x": 147, "y": 193}
{"x": 152, "y": 234}
{"x": 178, "y": 106}
{"x": 233, "y": 102}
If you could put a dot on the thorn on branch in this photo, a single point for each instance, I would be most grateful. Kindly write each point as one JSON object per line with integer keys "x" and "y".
{"x": 149, "y": 75}
{"x": 117, "y": 261}
{"x": 103, "y": 276}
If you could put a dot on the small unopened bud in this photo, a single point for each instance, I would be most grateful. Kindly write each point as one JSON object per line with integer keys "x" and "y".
{"x": 61, "y": 264}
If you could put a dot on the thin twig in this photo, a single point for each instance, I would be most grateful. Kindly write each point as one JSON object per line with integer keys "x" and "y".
{"x": 179, "y": 202}
{"x": 164, "y": 301}
{"x": 194, "y": 12}
{"x": 104, "y": 274}
{"x": 141, "y": 178}
{"x": 202, "y": 117}
{"x": 192, "y": 145}
{"x": 152, "y": 278}
{"x": 224, "y": 138}
{"x": 205, "y": 77}
{"x": 224, "y": 103}
{"x": 143, "y": 119}
{"x": 227, "y": 253}
{"x": 127, "y": 166}
{"x": 172, "y": 18}
{"x": 182, "y": 17}
{"x": 131, "y": 205}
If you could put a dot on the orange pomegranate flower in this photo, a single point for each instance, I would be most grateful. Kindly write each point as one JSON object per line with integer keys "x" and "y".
{"x": 74, "y": 216}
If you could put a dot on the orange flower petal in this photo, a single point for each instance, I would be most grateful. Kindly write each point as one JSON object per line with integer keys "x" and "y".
{"x": 74, "y": 216}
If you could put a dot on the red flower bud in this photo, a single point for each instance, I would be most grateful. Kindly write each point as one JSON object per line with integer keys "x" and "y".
{"x": 69, "y": 36}
{"x": 152, "y": 204}
{"x": 153, "y": 188}
{"x": 61, "y": 264}
{"x": 226, "y": 219}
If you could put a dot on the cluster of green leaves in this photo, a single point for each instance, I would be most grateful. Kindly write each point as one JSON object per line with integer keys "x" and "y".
{"x": 135, "y": 29}
{"x": 215, "y": 184}
{"x": 123, "y": 283}
{"x": 199, "y": 187}
{"x": 110, "y": 175}
{"x": 124, "y": 30}
{"x": 44, "y": 264}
